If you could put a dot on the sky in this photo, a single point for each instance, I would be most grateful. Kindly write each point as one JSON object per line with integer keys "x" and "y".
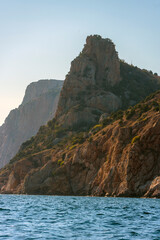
{"x": 40, "y": 38}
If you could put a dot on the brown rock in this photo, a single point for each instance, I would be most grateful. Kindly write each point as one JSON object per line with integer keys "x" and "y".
{"x": 120, "y": 159}
{"x": 84, "y": 96}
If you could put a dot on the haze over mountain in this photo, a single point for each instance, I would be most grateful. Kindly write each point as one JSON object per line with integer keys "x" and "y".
{"x": 37, "y": 108}
{"x": 119, "y": 156}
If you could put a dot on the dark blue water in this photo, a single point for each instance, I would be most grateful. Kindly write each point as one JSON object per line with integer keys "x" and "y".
{"x": 50, "y": 217}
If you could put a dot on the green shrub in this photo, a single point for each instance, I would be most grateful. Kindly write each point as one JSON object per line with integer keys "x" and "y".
{"x": 62, "y": 163}
{"x": 90, "y": 139}
{"x": 42, "y": 130}
{"x": 120, "y": 122}
{"x": 130, "y": 113}
{"x": 117, "y": 115}
{"x": 155, "y": 104}
{"x": 106, "y": 121}
{"x": 157, "y": 109}
{"x": 145, "y": 108}
{"x": 51, "y": 124}
{"x": 97, "y": 126}
{"x": 151, "y": 96}
{"x": 73, "y": 146}
{"x": 59, "y": 161}
{"x": 107, "y": 158}
{"x": 63, "y": 156}
{"x": 143, "y": 119}
{"x": 78, "y": 138}
{"x": 135, "y": 139}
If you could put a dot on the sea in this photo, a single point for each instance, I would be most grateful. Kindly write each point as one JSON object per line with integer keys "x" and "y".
{"x": 28, "y": 217}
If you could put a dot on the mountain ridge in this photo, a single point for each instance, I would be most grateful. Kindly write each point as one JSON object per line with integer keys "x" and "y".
{"x": 119, "y": 157}
{"x": 89, "y": 149}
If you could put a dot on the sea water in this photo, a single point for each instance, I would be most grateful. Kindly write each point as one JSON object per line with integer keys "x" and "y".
{"x": 57, "y": 217}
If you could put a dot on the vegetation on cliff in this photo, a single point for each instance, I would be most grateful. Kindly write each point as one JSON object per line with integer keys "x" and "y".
{"x": 135, "y": 85}
{"x": 80, "y": 153}
{"x": 81, "y": 162}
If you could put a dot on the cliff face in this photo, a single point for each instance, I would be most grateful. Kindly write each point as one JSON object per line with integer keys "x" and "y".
{"x": 36, "y": 89}
{"x": 98, "y": 82}
{"x": 119, "y": 159}
{"x": 84, "y": 95}
{"x": 38, "y": 106}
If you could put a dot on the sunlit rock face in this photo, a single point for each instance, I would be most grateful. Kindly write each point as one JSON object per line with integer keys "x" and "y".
{"x": 38, "y": 106}
{"x": 85, "y": 93}
{"x": 118, "y": 156}
{"x": 122, "y": 159}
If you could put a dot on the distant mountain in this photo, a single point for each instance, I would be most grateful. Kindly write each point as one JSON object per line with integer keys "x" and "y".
{"x": 90, "y": 148}
{"x": 38, "y": 107}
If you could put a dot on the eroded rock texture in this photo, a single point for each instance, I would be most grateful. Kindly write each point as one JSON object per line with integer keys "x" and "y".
{"x": 85, "y": 94}
{"x": 121, "y": 159}
{"x": 118, "y": 157}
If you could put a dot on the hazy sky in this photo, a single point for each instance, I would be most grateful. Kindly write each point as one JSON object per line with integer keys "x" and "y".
{"x": 39, "y": 38}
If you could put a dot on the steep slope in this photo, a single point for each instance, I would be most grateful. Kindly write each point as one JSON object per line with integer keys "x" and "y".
{"x": 35, "y": 89}
{"x": 135, "y": 85}
{"x": 118, "y": 159}
{"x": 38, "y": 106}
{"x": 98, "y": 82}
{"x": 65, "y": 158}
{"x": 84, "y": 96}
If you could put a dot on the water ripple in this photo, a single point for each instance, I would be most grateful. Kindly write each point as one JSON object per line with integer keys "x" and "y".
{"x": 52, "y": 217}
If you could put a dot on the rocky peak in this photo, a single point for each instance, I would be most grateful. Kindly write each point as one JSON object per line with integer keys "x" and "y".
{"x": 102, "y": 52}
{"x": 86, "y": 86}
{"x": 98, "y": 61}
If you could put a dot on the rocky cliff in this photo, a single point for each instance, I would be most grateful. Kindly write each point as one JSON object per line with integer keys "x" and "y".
{"x": 85, "y": 95}
{"x": 38, "y": 106}
{"x": 99, "y": 82}
{"x": 35, "y": 89}
{"x": 120, "y": 157}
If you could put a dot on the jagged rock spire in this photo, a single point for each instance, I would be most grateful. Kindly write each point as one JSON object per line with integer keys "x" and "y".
{"x": 85, "y": 92}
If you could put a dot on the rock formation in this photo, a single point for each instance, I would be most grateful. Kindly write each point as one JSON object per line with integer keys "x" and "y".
{"x": 85, "y": 94}
{"x": 120, "y": 156}
{"x": 38, "y": 106}
{"x": 120, "y": 159}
